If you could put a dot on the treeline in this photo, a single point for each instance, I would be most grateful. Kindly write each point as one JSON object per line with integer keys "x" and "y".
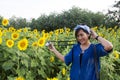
{"x": 69, "y": 18}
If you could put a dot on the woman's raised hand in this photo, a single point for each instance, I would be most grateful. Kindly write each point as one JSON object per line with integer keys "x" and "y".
{"x": 93, "y": 34}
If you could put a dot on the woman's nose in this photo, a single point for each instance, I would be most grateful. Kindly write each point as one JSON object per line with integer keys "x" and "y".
{"x": 79, "y": 37}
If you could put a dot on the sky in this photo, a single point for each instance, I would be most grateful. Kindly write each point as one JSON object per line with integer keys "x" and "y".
{"x": 34, "y": 8}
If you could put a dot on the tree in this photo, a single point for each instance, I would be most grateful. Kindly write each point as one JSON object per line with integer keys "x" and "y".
{"x": 18, "y": 22}
{"x": 113, "y": 16}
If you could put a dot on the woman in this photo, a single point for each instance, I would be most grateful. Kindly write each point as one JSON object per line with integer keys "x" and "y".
{"x": 82, "y": 54}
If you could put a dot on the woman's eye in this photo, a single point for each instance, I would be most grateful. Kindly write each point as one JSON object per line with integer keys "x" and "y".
{"x": 80, "y": 35}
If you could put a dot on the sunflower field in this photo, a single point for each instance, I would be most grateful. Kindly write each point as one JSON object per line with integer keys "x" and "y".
{"x": 24, "y": 56}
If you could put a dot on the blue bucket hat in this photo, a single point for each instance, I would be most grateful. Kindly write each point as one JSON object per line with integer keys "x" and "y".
{"x": 84, "y": 27}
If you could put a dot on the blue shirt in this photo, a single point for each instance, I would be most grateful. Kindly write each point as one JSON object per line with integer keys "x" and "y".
{"x": 83, "y": 68}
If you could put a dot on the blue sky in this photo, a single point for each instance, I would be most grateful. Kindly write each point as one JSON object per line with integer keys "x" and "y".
{"x": 34, "y": 8}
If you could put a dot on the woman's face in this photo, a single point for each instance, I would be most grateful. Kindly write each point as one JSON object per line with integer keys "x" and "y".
{"x": 82, "y": 37}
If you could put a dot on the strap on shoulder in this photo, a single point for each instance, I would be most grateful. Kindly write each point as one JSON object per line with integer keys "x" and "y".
{"x": 96, "y": 64}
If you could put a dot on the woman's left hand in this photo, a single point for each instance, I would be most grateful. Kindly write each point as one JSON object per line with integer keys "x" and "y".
{"x": 93, "y": 34}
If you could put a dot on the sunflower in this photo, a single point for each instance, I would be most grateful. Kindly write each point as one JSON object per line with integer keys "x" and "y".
{"x": 34, "y": 44}
{"x": 23, "y": 44}
{"x": 63, "y": 71}
{"x": 45, "y": 35}
{"x": 116, "y": 54}
{"x": 54, "y": 78}
{"x": 51, "y": 59}
{"x": 43, "y": 31}
{"x": 15, "y": 35}
{"x": 95, "y": 28}
{"x": 1, "y": 33}
{"x": 19, "y": 30}
{"x": 41, "y": 42}
{"x": 0, "y": 40}
{"x": 67, "y": 30}
{"x": 37, "y": 36}
{"x": 19, "y": 78}
{"x": 68, "y": 78}
{"x": 61, "y": 30}
{"x": 11, "y": 29}
{"x": 25, "y": 29}
{"x": 51, "y": 32}
{"x": 48, "y": 78}
{"x": 5, "y": 22}
{"x": 1, "y": 29}
{"x": 100, "y": 34}
{"x": 35, "y": 30}
{"x": 5, "y": 31}
{"x": 56, "y": 32}
{"x": 10, "y": 43}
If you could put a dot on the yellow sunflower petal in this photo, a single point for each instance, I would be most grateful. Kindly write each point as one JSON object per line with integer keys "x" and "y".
{"x": 5, "y": 22}
{"x": 23, "y": 44}
{"x": 10, "y": 43}
{"x": 15, "y": 35}
{"x": 41, "y": 42}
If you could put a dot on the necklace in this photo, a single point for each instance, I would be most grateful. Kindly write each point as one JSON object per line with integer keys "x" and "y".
{"x": 83, "y": 48}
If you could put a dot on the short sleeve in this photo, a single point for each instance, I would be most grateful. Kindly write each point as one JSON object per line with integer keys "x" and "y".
{"x": 101, "y": 51}
{"x": 68, "y": 57}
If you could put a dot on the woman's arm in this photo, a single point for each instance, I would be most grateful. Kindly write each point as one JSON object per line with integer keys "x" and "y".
{"x": 57, "y": 53}
{"x": 107, "y": 45}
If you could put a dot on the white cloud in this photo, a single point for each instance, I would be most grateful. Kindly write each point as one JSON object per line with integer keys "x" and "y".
{"x": 34, "y": 8}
